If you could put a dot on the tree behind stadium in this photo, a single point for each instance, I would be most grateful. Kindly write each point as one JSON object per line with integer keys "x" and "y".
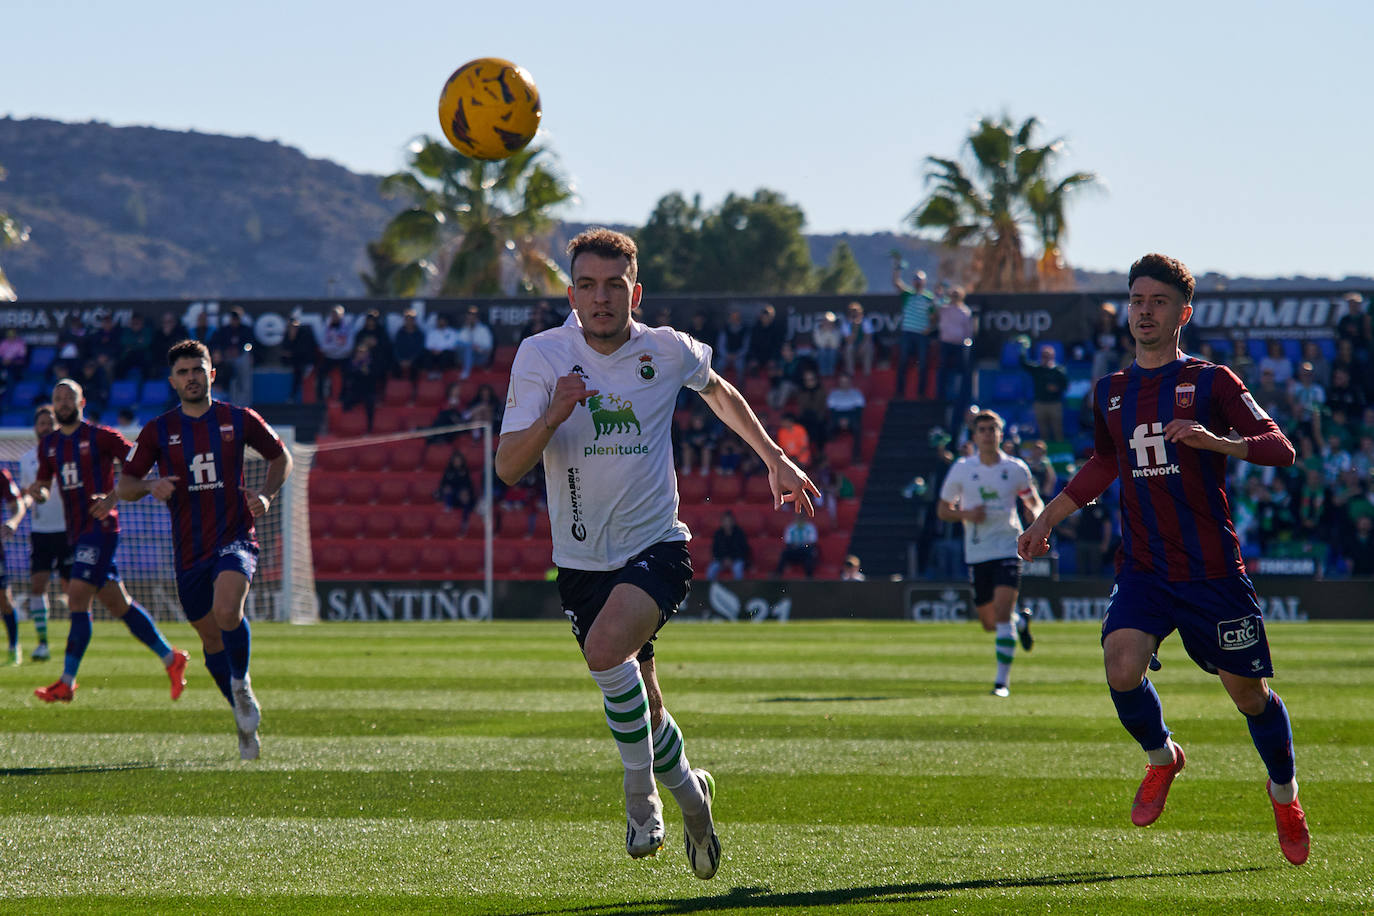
{"x": 473, "y": 228}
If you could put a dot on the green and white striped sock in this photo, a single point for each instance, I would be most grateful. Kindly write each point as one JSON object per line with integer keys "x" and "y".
{"x": 670, "y": 757}
{"x": 38, "y": 612}
{"x": 1006, "y": 652}
{"x": 627, "y": 713}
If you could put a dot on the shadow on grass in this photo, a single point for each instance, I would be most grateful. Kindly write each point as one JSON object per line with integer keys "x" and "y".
{"x": 825, "y": 699}
{"x": 760, "y": 898}
{"x": 69, "y": 769}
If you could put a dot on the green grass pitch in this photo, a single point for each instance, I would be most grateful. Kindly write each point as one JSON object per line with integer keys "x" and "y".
{"x": 861, "y": 768}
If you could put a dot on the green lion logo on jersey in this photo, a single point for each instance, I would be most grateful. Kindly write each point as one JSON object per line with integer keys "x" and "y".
{"x": 618, "y": 419}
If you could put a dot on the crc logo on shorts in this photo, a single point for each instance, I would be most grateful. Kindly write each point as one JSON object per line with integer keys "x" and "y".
{"x": 240, "y": 548}
{"x": 1241, "y": 633}
{"x": 88, "y": 556}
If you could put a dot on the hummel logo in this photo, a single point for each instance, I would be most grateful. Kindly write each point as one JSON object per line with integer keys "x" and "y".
{"x": 643, "y": 564}
{"x": 1115, "y": 404}
{"x": 174, "y": 439}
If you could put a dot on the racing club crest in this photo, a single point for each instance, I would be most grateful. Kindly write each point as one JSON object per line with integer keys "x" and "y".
{"x": 1183, "y": 395}
{"x": 646, "y": 368}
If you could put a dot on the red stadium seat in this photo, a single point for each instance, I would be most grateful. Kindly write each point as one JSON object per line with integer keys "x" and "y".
{"x": 536, "y": 557}
{"x": 541, "y": 526}
{"x": 348, "y": 425}
{"x": 834, "y": 547}
{"x": 693, "y": 488}
{"x": 423, "y": 486}
{"x": 334, "y": 460}
{"x": 437, "y": 457}
{"x": 847, "y": 511}
{"x": 367, "y": 560}
{"x": 325, "y": 489}
{"x": 320, "y": 522}
{"x": 331, "y": 558}
{"x": 435, "y": 558}
{"x": 398, "y": 392}
{"x": 766, "y": 552}
{"x": 750, "y": 519}
{"x": 389, "y": 420}
{"x": 756, "y": 389}
{"x": 393, "y": 489}
{"x": 726, "y": 489}
{"x": 430, "y": 393}
{"x": 858, "y": 475}
{"x": 401, "y": 558}
{"x": 838, "y": 451}
{"x": 370, "y": 459}
{"x": 447, "y": 524}
{"x": 776, "y": 521}
{"x": 359, "y": 490}
{"x": 347, "y": 523}
{"x": 756, "y": 490}
{"x": 414, "y": 523}
{"x": 379, "y": 522}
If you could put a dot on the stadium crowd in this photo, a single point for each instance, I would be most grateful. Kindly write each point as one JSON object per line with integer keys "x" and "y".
{"x": 810, "y": 388}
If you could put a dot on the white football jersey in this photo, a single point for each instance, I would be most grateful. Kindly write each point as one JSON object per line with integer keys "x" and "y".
{"x": 997, "y": 488}
{"x": 46, "y": 517}
{"x": 612, "y": 490}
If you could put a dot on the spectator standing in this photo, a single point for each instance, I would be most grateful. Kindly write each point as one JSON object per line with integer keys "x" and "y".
{"x": 799, "y": 546}
{"x": 485, "y": 406}
{"x": 793, "y": 440}
{"x": 702, "y": 327}
{"x": 846, "y": 406}
{"x": 474, "y": 341}
{"x": 826, "y": 338}
{"x": 918, "y": 309}
{"x": 1354, "y": 325}
{"x": 360, "y": 380}
{"x": 1308, "y": 401}
{"x": 1277, "y": 360}
{"x": 235, "y": 341}
{"x": 1361, "y": 548}
{"x": 71, "y": 342}
{"x": 956, "y": 330}
{"x": 383, "y": 353}
{"x": 169, "y": 332}
{"x": 784, "y": 376}
{"x": 541, "y": 319}
{"x": 765, "y": 340}
{"x": 14, "y": 356}
{"x": 812, "y": 411}
{"x": 200, "y": 329}
{"x": 732, "y": 346}
{"x": 299, "y": 351}
{"x": 135, "y": 340}
{"x": 408, "y": 348}
{"x": 698, "y": 444}
{"x": 1105, "y": 343}
{"x": 1049, "y": 381}
{"x": 440, "y": 342}
{"x": 1042, "y": 470}
{"x": 455, "y": 488}
{"x": 336, "y": 349}
{"x": 1321, "y": 366}
{"x": 729, "y": 548}
{"x": 104, "y": 340}
{"x": 858, "y": 341}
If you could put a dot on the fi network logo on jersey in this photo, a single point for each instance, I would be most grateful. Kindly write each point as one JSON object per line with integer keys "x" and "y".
{"x": 204, "y": 475}
{"x": 1151, "y": 451}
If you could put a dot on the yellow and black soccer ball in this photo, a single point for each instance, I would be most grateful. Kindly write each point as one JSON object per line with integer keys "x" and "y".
{"x": 489, "y": 108}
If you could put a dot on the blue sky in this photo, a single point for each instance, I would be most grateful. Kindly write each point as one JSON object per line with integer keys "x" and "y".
{"x": 1235, "y": 136}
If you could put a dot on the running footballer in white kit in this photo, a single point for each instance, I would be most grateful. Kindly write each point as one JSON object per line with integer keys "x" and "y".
{"x": 594, "y": 400}
{"x": 982, "y": 491}
{"x": 48, "y": 547}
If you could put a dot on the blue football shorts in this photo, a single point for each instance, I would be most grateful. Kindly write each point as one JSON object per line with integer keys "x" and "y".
{"x": 196, "y": 585}
{"x": 1219, "y": 620}
{"x": 93, "y": 558}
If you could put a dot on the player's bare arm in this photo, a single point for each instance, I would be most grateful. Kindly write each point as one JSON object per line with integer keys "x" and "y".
{"x": 1035, "y": 540}
{"x": 949, "y": 511}
{"x": 518, "y": 452}
{"x": 1194, "y": 435}
{"x": 11, "y": 524}
{"x": 38, "y": 490}
{"x": 788, "y": 482}
{"x": 1032, "y": 501}
{"x": 278, "y": 469}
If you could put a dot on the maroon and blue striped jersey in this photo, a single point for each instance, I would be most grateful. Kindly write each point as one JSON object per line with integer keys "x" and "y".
{"x": 83, "y": 465}
{"x": 1176, "y": 520}
{"x": 206, "y": 455}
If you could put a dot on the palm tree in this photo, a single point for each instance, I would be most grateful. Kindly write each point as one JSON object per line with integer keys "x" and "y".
{"x": 11, "y": 233}
{"x": 470, "y": 226}
{"x": 991, "y": 207}
{"x": 1047, "y": 202}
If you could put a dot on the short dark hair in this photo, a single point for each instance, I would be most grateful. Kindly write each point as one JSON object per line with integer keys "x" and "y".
{"x": 605, "y": 243}
{"x": 43, "y": 409}
{"x": 1166, "y": 270}
{"x": 187, "y": 349}
{"x": 988, "y": 416}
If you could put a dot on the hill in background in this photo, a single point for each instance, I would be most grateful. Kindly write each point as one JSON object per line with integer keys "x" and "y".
{"x": 140, "y": 212}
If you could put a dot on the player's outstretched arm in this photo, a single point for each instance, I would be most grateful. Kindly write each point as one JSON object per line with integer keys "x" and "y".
{"x": 788, "y": 482}
{"x": 518, "y": 452}
{"x": 1035, "y": 540}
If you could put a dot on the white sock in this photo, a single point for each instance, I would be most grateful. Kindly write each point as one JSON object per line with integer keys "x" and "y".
{"x": 1162, "y": 756}
{"x": 627, "y": 714}
{"x": 1006, "y": 652}
{"x": 1284, "y": 794}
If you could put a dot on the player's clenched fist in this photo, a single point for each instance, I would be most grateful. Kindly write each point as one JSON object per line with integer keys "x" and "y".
{"x": 570, "y": 391}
